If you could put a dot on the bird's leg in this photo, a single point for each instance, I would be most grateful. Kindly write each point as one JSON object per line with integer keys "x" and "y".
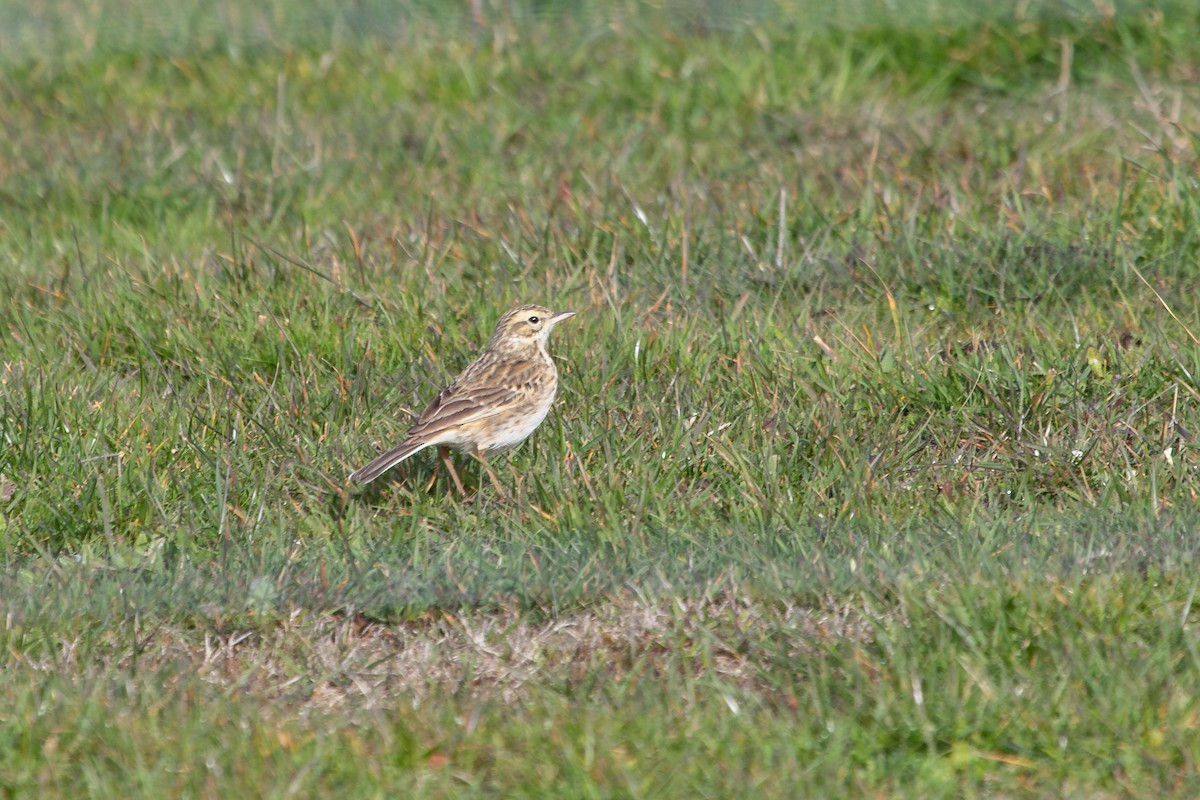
{"x": 444, "y": 456}
{"x": 491, "y": 474}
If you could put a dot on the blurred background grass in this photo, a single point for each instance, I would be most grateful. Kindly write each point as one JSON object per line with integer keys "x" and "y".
{"x": 873, "y": 468}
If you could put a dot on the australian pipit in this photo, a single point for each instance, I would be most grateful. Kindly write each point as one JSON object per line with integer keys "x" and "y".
{"x": 495, "y": 404}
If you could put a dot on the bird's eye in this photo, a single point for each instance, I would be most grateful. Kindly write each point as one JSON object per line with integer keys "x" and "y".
{"x": 533, "y": 320}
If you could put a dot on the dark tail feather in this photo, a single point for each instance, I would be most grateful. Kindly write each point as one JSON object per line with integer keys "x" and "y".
{"x": 386, "y": 461}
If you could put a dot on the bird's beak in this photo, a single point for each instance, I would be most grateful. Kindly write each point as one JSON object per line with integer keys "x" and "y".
{"x": 560, "y": 316}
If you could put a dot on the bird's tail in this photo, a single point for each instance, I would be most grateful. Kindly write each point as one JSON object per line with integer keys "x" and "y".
{"x": 388, "y": 460}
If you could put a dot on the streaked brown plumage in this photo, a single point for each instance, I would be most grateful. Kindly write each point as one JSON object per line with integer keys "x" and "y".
{"x": 495, "y": 404}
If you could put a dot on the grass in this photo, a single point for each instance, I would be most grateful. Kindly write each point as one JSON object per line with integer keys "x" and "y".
{"x": 873, "y": 471}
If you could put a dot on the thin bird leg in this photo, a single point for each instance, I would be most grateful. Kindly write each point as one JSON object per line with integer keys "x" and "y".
{"x": 491, "y": 474}
{"x": 444, "y": 455}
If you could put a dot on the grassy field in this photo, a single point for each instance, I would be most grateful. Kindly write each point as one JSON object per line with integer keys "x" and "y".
{"x": 874, "y": 469}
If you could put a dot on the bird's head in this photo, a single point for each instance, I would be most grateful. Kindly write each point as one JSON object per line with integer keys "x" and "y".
{"x": 526, "y": 326}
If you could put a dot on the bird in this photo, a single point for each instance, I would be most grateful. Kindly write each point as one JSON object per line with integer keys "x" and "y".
{"x": 493, "y": 405}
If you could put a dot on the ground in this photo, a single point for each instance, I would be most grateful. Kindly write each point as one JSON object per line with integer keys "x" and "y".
{"x": 873, "y": 469}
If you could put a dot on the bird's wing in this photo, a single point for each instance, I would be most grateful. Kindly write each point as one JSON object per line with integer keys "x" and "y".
{"x": 456, "y": 407}
{"x": 485, "y": 389}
